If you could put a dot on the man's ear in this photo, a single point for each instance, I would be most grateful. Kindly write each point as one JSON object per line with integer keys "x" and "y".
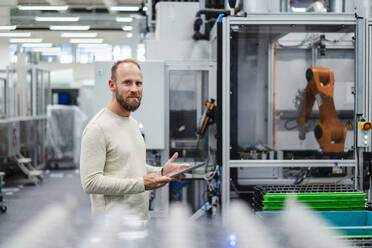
{"x": 111, "y": 85}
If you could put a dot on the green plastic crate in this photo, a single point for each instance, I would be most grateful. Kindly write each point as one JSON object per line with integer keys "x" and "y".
{"x": 322, "y": 204}
{"x": 344, "y": 196}
{"x": 333, "y": 201}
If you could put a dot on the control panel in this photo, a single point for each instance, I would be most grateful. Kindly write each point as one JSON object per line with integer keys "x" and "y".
{"x": 364, "y": 133}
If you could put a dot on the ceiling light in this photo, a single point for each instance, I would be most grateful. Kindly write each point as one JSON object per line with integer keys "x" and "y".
{"x": 124, "y": 8}
{"x": 15, "y": 34}
{"x": 56, "y": 19}
{"x": 37, "y": 45}
{"x": 129, "y": 35}
{"x": 127, "y": 28}
{"x": 25, "y": 40}
{"x": 41, "y": 7}
{"x": 8, "y": 27}
{"x": 124, "y": 19}
{"x": 92, "y": 45}
{"x": 86, "y": 41}
{"x": 57, "y": 27}
{"x": 79, "y": 35}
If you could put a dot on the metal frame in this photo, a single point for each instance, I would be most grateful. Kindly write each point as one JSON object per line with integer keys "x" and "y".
{"x": 194, "y": 66}
{"x": 286, "y": 19}
{"x": 5, "y": 92}
{"x": 368, "y": 74}
{"x": 368, "y": 82}
{"x": 11, "y": 99}
{"x": 31, "y": 110}
{"x": 290, "y": 163}
{"x": 46, "y": 96}
{"x": 209, "y": 67}
{"x": 38, "y": 73}
{"x": 177, "y": 66}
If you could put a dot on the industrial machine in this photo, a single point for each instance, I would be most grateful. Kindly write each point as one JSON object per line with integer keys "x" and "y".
{"x": 261, "y": 105}
{"x": 10, "y": 131}
{"x": 192, "y": 90}
{"x": 63, "y": 138}
{"x": 28, "y": 133}
{"x": 261, "y": 110}
{"x": 330, "y": 132}
{"x": 26, "y": 93}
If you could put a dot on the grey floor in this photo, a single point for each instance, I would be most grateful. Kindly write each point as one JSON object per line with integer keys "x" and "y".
{"x": 24, "y": 201}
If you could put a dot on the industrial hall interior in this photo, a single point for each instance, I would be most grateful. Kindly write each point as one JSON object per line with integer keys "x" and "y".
{"x": 188, "y": 123}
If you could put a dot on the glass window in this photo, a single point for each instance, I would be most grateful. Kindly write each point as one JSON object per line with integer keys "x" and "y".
{"x": 86, "y": 55}
{"x": 122, "y": 52}
{"x": 47, "y": 58}
{"x": 12, "y": 53}
{"x": 83, "y": 55}
{"x": 301, "y": 6}
{"x": 12, "y": 92}
{"x": 103, "y": 53}
{"x": 187, "y": 95}
{"x": 67, "y": 55}
{"x": 2, "y": 97}
{"x": 339, "y": 6}
{"x": 272, "y": 105}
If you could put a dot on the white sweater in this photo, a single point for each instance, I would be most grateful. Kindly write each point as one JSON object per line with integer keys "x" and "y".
{"x": 113, "y": 163}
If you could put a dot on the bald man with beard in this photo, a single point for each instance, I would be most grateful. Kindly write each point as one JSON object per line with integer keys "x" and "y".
{"x": 113, "y": 165}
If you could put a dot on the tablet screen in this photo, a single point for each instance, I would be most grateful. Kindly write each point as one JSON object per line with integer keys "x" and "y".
{"x": 188, "y": 169}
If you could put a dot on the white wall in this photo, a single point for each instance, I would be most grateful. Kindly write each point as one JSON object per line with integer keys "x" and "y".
{"x": 173, "y": 36}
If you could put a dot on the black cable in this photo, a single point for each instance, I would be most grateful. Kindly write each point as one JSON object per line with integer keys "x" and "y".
{"x": 199, "y": 22}
{"x": 302, "y": 175}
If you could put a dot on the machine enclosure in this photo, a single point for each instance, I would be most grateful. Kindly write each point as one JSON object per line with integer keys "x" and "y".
{"x": 9, "y": 131}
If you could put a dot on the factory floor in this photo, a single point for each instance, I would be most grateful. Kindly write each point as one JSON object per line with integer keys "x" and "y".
{"x": 24, "y": 200}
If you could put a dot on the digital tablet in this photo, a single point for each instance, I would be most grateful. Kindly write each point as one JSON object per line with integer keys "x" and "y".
{"x": 188, "y": 169}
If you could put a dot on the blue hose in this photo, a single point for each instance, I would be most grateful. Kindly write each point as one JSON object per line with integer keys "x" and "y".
{"x": 219, "y": 19}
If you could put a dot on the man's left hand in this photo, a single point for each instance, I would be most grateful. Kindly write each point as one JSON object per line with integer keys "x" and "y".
{"x": 170, "y": 168}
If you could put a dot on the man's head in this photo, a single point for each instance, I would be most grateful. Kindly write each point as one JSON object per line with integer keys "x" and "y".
{"x": 126, "y": 84}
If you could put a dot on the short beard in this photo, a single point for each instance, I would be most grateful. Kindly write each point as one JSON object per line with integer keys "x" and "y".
{"x": 126, "y": 104}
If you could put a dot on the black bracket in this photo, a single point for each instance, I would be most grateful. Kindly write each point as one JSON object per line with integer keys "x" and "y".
{"x": 358, "y": 17}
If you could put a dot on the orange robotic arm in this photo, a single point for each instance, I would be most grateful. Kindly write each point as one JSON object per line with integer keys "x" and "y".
{"x": 330, "y": 132}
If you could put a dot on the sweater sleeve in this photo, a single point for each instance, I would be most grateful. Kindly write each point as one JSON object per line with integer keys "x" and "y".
{"x": 153, "y": 169}
{"x": 92, "y": 163}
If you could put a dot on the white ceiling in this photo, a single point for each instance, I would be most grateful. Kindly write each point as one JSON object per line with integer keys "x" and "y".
{"x": 94, "y": 13}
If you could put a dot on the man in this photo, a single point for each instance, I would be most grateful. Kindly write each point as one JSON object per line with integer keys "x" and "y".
{"x": 113, "y": 154}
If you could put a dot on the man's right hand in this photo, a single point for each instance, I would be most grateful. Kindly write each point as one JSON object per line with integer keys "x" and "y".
{"x": 154, "y": 181}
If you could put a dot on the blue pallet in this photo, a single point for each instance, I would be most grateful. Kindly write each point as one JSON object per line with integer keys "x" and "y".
{"x": 347, "y": 223}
